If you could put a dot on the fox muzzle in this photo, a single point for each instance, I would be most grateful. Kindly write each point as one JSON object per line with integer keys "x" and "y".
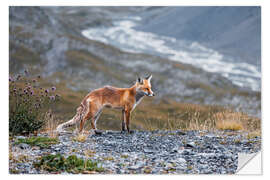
{"x": 148, "y": 94}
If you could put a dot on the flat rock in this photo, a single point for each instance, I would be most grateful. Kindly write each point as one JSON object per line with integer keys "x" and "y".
{"x": 191, "y": 145}
{"x": 147, "y": 150}
{"x": 24, "y": 146}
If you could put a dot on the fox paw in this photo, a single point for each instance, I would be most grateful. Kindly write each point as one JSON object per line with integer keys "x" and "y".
{"x": 98, "y": 132}
{"x": 131, "y": 131}
{"x": 125, "y": 131}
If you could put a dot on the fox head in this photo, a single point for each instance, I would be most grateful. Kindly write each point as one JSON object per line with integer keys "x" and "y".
{"x": 144, "y": 86}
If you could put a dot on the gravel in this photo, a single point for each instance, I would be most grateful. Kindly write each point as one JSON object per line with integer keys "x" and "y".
{"x": 154, "y": 152}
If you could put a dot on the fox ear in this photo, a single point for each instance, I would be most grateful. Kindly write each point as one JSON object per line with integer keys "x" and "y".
{"x": 139, "y": 80}
{"x": 148, "y": 77}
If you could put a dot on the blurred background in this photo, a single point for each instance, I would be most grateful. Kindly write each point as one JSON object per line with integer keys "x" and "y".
{"x": 205, "y": 61}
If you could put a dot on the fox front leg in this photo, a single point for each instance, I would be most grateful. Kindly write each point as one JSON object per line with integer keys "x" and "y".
{"x": 123, "y": 121}
{"x": 127, "y": 115}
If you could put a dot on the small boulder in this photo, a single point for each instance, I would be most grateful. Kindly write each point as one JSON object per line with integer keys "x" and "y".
{"x": 24, "y": 146}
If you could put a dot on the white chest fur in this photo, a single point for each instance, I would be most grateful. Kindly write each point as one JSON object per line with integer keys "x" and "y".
{"x": 136, "y": 103}
{"x": 138, "y": 98}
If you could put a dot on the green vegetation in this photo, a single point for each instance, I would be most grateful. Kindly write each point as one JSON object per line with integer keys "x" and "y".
{"x": 72, "y": 164}
{"x": 28, "y": 103}
{"x": 124, "y": 156}
{"x": 42, "y": 142}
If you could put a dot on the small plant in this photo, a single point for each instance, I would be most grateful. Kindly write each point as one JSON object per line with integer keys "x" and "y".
{"x": 108, "y": 158}
{"x": 237, "y": 141}
{"x": 42, "y": 142}
{"x": 28, "y": 103}
{"x": 254, "y": 134}
{"x": 124, "y": 156}
{"x": 13, "y": 171}
{"x": 74, "y": 150}
{"x": 72, "y": 164}
{"x": 89, "y": 153}
{"x": 80, "y": 138}
{"x": 147, "y": 170}
{"x": 222, "y": 142}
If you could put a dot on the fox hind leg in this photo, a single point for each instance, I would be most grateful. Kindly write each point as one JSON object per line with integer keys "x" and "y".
{"x": 86, "y": 115}
{"x": 93, "y": 112}
{"x": 94, "y": 121}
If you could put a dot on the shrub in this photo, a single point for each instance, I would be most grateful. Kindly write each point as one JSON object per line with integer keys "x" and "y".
{"x": 71, "y": 164}
{"x": 27, "y": 104}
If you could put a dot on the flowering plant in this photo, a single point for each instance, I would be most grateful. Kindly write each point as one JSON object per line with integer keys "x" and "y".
{"x": 28, "y": 103}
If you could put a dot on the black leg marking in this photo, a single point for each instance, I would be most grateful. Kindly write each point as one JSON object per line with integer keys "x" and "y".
{"x": 98, "y": 132}
{"x": 123, "y": 126}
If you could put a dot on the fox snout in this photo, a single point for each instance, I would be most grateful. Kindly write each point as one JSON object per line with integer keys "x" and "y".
{"x": 151, "y": 94}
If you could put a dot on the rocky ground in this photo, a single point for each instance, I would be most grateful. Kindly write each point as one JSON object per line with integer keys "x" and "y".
{"x": 154, "y": 152}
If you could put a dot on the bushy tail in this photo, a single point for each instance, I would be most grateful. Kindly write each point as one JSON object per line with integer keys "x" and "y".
{"x": 76, "y": 119}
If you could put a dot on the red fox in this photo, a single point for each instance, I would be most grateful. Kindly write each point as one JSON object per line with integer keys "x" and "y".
{"x": 125, "y": 99}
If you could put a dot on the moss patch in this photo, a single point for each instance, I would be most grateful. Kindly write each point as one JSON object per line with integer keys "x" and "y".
{"x": 72, "y": 164}
{"x": 42, "y": 142}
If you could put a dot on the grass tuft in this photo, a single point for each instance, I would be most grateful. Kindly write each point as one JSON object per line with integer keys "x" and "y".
{"x": 72, "y": 164}
{"x": 229, "y": 121}
{"x": 108, "y": 158}
{"x": 80, "y": 138}
{"x": 254, "y": 134}
{"x": 229, "y": 125}
{"x": 42, "y": 142}
{"x": 51, "y": 124}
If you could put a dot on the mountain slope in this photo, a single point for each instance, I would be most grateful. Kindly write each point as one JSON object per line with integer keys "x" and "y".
{"x": 43, "y": 40}
{"x": 234, "y": 31}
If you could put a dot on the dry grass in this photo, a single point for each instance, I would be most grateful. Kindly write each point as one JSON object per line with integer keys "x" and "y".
{"x": 172, "y": 116}
{"x": 51, "y": 124}
{"x": 108, "y": 158}
{"x": 229, "y": 125}
{"x": 80, "y": 137}
{"x": 89, "y": 153}
{"x": 231, "y": 121}
{"x": 254, "y": 134}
